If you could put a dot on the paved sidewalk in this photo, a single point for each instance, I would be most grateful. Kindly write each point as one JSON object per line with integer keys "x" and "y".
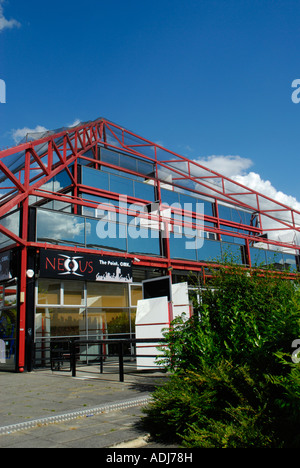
{"x": 54, "y": 410}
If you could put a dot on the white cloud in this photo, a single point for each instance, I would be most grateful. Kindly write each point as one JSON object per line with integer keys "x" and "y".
{"x": 255, "y": 182}
{"x": 60, "y": 227}
{"x": 228, "y": 166}
{"x": 5, "y": 23}
{"x": 75, "y": 123}
{"x": 236, "y": 169}
{"x": 21, "y": 133}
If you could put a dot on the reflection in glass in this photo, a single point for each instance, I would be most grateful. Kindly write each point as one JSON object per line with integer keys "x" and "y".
{"x": 49, "y": 292}
{"x": 12, "y": 223}
{"x": 290, "y": 262}
{"x": 108, "y": 321}
{"x": 178, "y": 248}
{"x": 59, "y": 227}
{"x": 73, "y": 293}
{"x": 210, "y": 252}
{"x": 143, "y": 191}
{"x": 94, "y": 178}
{"x": 275, "y": 259}
{"x": 60, "y": 322}
{"x": 136, "y": 294}
{"x": 107, "y": 295}
{"x": 10, "y": 295}
{"x": 8, "y": 332}
{"x": 258, "y": 257}
{"x": 232, "y": 253}
{"x": 141, "y": 241}
{"x": 105, "y": 235}
{"x": 121, "y": 185}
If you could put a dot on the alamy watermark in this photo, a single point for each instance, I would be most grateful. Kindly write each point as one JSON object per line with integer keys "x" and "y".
{"x": 152, "y": 221}
{"x": 296, "y": 353}
{"x": 2, "y": 92}
{"x": 296, "y": 94}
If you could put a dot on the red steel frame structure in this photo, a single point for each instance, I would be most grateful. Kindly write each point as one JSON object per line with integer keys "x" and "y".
{"x": 30, "y": 165}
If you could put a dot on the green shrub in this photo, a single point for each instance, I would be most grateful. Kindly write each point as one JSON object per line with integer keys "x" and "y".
{"x": 233, "y": 382}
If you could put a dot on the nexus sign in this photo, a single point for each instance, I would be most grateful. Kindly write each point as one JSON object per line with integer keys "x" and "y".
{"x": 58, "y": 264}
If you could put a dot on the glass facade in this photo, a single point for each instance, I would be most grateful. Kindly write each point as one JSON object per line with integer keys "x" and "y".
{"x": 11, "y": 222}
{"x": 273, "y": 258}
{"x": 102, "y": 226}
{"x": 234, "y": 214}
{"x": 85, "y": 309}
{"x": 101, "y": 233}
{"x": 125, "y": 184}
{"x": 112, "y": 231}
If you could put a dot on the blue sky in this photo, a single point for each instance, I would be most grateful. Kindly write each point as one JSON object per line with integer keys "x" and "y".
{"x": 210, "y": 79}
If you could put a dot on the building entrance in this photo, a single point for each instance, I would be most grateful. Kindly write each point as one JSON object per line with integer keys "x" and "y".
{"x": 82, "y": 309}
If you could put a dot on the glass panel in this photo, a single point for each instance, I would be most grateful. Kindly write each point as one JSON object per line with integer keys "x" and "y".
{"x": 234, "y": 214}
{"x": 224, "y": 212}
{"x": 103, "y": 202}
{"x": 144, "y": 167}
{"x": 88, "y": 154}
{"x": 210, "y": 252}
{"x": 140, "y": 241}
{"x": 94, "y": 178}
{"x": 290, "y": 262}
{"x": 12, "y": 223}
{"x": 258, "y": 257}
{"x": 121, "y": 185}
{"x": 234, "y": 240}
{"x": 111, "y": 321}
{"x": 10, "y": 296}
{"x": 187, "y": 200}
{"x": 96, "y": 324}
{"x": 128, "y": 163}
{"x": 61, "y": 180}
{"x": 274, "y": 259}
{"x": 73, "y": 293}
{"x": 178, "y": 248}
{"x": 208, "y": 207}
{"x": 144, "y": 191}
{"x": 117, "y": 321}
{"x": 232, "y": 253}
{"x": 238, "y": 216}
{"x": 60, "y": 206}
{"x": 169, "y": 197}
{"x": 136, "y": 294}
{"x": 60, "y": 322}
{"x": 88, "y": 211}
{"x": 247, "y": 218}
{"x": 107, "y": 295}
{"x": 110, "y": 157}
{"x": 8, "y": 328}
{"x": 49, "y": 292}
{"x": 59, "y": 227}
{"x": 105, "y": 235}
{"x": 132, "y": 320}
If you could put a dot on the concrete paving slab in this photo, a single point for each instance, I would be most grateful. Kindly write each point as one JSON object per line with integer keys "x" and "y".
{"x": 44, "y": 395}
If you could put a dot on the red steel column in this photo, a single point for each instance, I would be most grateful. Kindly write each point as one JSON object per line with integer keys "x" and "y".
{"x": 23, "y": 268}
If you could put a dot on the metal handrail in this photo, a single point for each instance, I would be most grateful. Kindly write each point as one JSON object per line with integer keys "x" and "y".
{"x": 69, "y": 353}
